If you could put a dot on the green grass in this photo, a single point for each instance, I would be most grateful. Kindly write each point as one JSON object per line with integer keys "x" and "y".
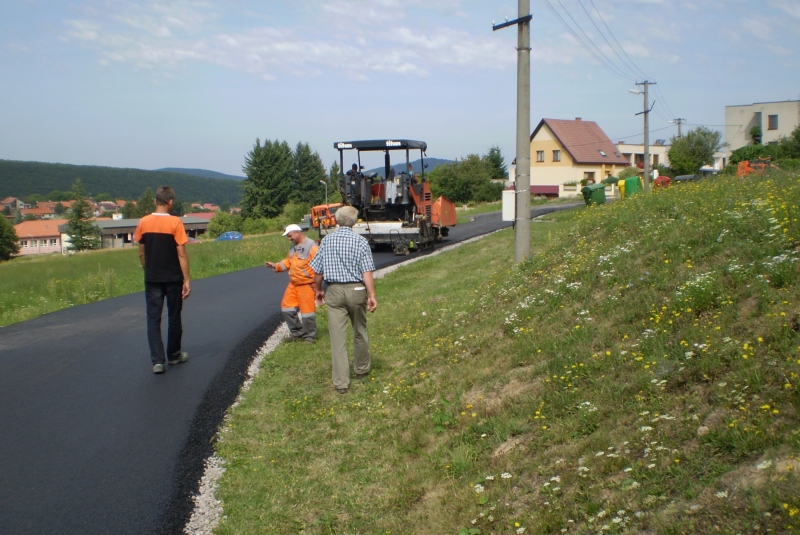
{"x": 35, "y": 285}
{"x": 639, "y": 374}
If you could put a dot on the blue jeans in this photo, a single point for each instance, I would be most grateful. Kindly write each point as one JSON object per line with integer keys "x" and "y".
{"x": 154, "y": 294}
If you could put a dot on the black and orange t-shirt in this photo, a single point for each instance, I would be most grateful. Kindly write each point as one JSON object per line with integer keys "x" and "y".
{"x": 161, "y": 235}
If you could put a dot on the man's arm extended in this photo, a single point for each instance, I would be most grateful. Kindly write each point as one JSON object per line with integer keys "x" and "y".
{"x": 369, "y": 284}
{"x": 183, "y": 259}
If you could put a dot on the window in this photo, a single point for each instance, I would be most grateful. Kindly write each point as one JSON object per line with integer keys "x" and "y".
{"x": 33, "y": 243}
{"x": 655, "y": 159}
{"x": 772, "y": 122}
{"x": 23, "y": 243}
{"x": 53, "y": 242}
{"x": 539, "y": 155}
{"x": 601, "y": 153}
{"x": 556, "y": 155}
{"x": 588, "y": 175}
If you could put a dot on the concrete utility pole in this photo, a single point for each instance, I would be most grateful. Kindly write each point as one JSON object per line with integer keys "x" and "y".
{"x": 646, "y": 113}
{"x": 522, "y": 184}
{"x": 678, "y": 122}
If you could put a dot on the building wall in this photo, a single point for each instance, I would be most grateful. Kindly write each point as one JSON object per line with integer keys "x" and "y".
{"x": 635, "y": 153}
{"x": 739, "y": 120}
{"x": 29, "y": 245}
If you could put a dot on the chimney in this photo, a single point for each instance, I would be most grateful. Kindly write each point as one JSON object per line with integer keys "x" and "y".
{"x": 577, "y": 119}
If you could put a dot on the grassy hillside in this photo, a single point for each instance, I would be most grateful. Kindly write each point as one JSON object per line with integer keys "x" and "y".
{"x": 20, "y": 179}
{"x": 638, "y": 375}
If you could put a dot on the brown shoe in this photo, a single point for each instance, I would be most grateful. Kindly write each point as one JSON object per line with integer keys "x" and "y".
{"x": 292, "y": 338}
{"x": 342, "y": 390}
{"x": 360, "y": 376}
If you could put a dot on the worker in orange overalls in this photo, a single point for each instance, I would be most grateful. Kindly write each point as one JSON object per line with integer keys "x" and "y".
{"x": 301, "y": 292}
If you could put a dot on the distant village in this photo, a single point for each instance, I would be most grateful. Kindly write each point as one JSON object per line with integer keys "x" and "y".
{"x": 565, "y": 153}
{"x": 41, "y": 229}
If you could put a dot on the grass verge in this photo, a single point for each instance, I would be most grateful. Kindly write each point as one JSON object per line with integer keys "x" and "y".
{"x": 639, "y": 374}
{"x": 32, "y": 286}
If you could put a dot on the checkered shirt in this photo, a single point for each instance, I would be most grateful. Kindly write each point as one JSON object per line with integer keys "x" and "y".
{"x": 343, "y": 256}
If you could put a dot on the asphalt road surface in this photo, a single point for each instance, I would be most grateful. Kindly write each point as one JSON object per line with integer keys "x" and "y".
{"x": 92, "y": 442}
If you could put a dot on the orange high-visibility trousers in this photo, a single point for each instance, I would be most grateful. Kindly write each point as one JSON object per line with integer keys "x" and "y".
{"x": 300, "y": 296}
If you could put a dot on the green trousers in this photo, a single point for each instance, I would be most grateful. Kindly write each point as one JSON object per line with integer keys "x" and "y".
{"x": 347, "y": 302}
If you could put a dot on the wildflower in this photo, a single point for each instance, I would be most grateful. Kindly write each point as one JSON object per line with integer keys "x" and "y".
{"x": 489, "y": 478}
{"x": 722, "y": 494}
{"x": 763, "y": 465}
{"x": 505, "y": 475}
{"x": 478, "y": 488}
{"x": 520, "y": 530}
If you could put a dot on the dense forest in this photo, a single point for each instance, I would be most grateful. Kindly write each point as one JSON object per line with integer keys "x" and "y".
{"x": 21, "y": 179}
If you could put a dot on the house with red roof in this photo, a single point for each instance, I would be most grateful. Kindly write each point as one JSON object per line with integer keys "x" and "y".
{"x": 39, "y": 236}
{"x": 565, "y": 152}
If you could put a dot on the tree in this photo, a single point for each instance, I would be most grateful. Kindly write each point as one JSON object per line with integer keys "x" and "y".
{"x": 129, "y": 211}
{"x": 497, "y": 164}
{"x": 309, "y": 170}
{"x": 463, "y": 180}
{"x": 7, "y": 209}
{"x": 83, "y": 234}
{"x": 102, "y": 197}
{"x": 146, "y": 203}
{"x": 696, "y": 149}
{"x": 177, "y": 208}
{"x": 269, "y": 179}
{"x": 59, "y": 208}
{"x": 9, "y": 242}
{"x": 221, "y": 222}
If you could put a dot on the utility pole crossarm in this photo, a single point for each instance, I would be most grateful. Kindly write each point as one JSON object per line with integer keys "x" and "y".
{"x": 508, "y": 23}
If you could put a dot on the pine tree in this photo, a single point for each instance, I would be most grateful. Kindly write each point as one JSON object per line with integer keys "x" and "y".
{"x": 9, "y": 242}
{"x": 309, "y": 170}
{"x": 83, "y": 234}
{"x": 269, "y": 170}
{"x": 497, "y": 164}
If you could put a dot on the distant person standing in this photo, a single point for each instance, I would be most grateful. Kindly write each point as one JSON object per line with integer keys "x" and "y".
{"x": 162, "y": 252}
{"x": 344, "y": 262}
{"x": 300, "y": 294}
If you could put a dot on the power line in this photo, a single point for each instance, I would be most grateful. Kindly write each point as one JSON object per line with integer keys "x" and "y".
{"x": 577, "y": 37}
{"x": 615, "y": 40}
{"x": 589, "y": 16}
{"x": 610, "y": 62}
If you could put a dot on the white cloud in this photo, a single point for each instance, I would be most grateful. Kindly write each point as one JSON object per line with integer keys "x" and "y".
{"x": 154, "y": 36}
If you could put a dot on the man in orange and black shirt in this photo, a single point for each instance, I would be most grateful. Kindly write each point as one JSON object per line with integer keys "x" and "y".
{"x": 162, "y": 252}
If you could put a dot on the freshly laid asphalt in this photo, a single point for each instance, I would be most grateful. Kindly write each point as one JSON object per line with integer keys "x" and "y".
{"x": 92, "y": 442}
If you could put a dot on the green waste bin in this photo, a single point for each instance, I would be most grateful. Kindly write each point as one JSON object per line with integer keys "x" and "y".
{"x": 633, "y": 185}
{"x": 594, "y": 194}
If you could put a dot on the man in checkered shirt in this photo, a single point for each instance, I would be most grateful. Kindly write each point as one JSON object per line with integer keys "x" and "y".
{"x": 344, "y": 262}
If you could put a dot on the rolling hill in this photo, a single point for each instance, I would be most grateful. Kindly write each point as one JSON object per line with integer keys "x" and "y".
{"x": 205, "y": 173}
{"x": 20, "y": 179}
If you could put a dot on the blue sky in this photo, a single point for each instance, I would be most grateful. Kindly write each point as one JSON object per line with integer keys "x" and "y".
{"x": 174, "y": 83}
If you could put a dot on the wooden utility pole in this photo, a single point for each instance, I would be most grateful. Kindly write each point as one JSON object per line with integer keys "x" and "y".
{"x": 678, "y": 122}
{"x": 522, "y": 184}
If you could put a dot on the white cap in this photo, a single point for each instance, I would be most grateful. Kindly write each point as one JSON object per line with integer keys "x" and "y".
{"x": 292, "y": 228}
